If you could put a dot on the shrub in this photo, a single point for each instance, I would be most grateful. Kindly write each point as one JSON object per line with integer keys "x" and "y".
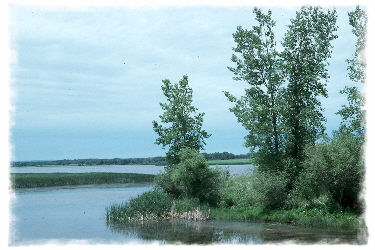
{"x": 191, "y": 178}
{"x": 323, "y": 202}
{"x": 333, "y": 171}
{"x": 236, "y": 191}
{"x": 269, "y": 189}
{"x": 165, "y": 182}
{"x": 261, "y": 189}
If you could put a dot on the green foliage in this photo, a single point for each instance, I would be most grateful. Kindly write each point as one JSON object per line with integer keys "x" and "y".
{"x": 191, "y": 178}
{"x": 307, "y": 47}
{"x": 152, "y": 203}
{"x": 299, "y": 180}
{"x": 270, "y": 189}
{"x": 236, "y": 191}
{"x": 260, "y": 189}
{"x": 259, "y": 110}
{"x": 280, "y": 120}
{"x": 357, "y": 65}
{"x": 332, "y": 174}
{"x": 224, "y": 156}
{"x": 296, "y": 200}
{"x": 182, "y": 129}
{"x": 353, "y": 114}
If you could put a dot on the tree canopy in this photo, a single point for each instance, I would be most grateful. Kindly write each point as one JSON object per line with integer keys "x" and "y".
{"x": 307, "y": 48}
{"x": 353, "y": 113}
{"x": 182, "y": 124}
{"x": 259, "y": 110}
{"x": 281, "y": 108}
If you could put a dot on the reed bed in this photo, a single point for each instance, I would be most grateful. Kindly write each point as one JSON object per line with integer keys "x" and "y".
{"x": 33, "y": 180}
{"x": 155, "y": 206}
{"x": 194, "y": 215}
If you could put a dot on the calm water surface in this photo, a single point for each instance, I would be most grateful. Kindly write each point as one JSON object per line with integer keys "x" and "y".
{"x": 68, "y": 213}
{"x": 233, "y": 232}
{"x": 78, "y": 213}
{"x": 139, "y": 169}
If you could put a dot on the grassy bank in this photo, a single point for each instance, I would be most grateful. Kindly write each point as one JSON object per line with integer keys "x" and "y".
{"x": 309, "y": 217}
{"x": 21, "y": 180}
{"x": 229, "y": 162}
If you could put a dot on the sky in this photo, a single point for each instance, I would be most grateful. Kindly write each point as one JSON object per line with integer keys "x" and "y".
{"x": 86, "y": 82}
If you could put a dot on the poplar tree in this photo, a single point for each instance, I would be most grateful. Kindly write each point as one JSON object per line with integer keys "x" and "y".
{"x": 307, "y": 48}
{"x": 259, "y": 110}
{"x": 182, "y": 125}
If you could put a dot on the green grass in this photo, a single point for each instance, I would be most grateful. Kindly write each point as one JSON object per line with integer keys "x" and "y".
{"x": 21, "y": 180}
{"x": 230, "y": 162}
{"x": 312, "y": 218}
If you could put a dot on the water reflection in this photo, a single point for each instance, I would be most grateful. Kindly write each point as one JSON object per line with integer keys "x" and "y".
{"x": 187, "y": 232}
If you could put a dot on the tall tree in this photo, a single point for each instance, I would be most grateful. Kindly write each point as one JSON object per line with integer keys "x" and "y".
{"x": 183, "y": 129}
{"x": 307, "y": 48}
{"x": 353, "y": 113}
{"x": 259, "y": 110}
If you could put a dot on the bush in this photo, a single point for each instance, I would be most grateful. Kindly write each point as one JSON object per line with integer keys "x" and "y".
{"x": 332, "y": 173}
{"x": 261, "y": 189}
{"x": 153, "y": 203}
{"x": 323, "y": 202}
{"x": 236, "y": 191}
{"x": 191, "y": 178}
{"x": 269, "y": 189}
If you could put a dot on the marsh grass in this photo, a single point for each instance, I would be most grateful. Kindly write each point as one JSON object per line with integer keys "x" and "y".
{"x": 33, "y": 180}
{"x": 147, "y": 206}
{"x": 157, "y": 205}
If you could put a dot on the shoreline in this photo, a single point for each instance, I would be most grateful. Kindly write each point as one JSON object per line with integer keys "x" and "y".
{"x": 241, "y": 161}
{"x": 314, "y": 218}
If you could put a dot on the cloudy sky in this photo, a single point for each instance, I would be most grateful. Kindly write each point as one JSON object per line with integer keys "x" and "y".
{"x": 87, "y": 82}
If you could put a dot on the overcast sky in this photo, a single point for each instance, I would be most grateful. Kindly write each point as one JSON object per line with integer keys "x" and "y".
{"x": 87, "y": 82}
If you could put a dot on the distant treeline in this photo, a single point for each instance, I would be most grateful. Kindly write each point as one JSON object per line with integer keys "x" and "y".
{"x": 224, "y": 156}
{"x": 158, "y": 160}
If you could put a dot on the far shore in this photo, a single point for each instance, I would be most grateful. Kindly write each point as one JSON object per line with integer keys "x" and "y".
{"x": 210, "y": 162}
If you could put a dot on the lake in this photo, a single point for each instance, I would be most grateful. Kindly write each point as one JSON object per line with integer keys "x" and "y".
{"x": 77, "y": 213}
{"x": 138, "y": 169}
{"x": 67, "y": 213}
